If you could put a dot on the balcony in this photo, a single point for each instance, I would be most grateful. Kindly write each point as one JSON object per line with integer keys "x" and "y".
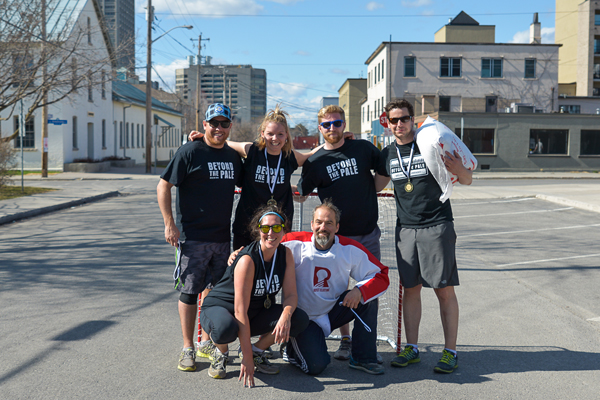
{"x": 596, "y": 71}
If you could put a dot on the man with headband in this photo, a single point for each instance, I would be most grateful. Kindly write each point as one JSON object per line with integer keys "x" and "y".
{"x": 205, "y": 173}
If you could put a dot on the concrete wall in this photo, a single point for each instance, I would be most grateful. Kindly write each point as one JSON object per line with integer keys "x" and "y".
{"x": 350, "y": 95}
{"x": 512, "y": 140}
{"x": 466, "y": 34}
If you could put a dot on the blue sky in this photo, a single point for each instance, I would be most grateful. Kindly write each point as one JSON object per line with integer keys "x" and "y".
{"x": 309, "y": 47}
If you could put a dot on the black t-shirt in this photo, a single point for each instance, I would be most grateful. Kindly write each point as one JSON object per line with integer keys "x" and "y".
{"x": 223, "y": 294}
{"x": 421, "y": 207}
{"x": 205, "y": 178}
{"x": 255, "y": 190}
{"x": 345, "y": 176}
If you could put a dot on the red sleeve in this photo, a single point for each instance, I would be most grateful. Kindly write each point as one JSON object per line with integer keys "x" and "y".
{"x": 376, "y": 286}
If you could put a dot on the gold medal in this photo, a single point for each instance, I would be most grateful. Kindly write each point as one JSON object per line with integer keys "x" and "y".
{"x": 271, "y": 203}
{"x": 267, "y": 303}
{"x": 408, "y": 187}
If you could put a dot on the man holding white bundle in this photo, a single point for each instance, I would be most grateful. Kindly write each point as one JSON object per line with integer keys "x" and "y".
{"x": 425, "y": 236}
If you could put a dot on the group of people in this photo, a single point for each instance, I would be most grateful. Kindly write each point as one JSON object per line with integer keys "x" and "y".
{"x": 311, "y": 268}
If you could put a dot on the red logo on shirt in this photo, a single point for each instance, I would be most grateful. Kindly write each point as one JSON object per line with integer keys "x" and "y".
{"x": 320, "y": 279}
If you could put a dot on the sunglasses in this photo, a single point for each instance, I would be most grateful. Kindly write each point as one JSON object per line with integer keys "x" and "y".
{"x": 215, "y": 124}
{"x": 276, "y": 228}
{"x": 337, "y": 123}
{"x": 404, "y": 119}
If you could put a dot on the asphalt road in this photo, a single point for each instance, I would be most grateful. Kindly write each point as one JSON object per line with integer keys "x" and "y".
{"x": 88, "y": 310}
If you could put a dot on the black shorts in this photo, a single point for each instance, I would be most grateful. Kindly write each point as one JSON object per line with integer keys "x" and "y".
{"x": 427, "y": 256}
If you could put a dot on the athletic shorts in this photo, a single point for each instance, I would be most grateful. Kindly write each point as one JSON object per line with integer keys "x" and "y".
{"x": 427, "y": 256}
{"x": 202, "y": 265}
{"x": 370, "y": 241}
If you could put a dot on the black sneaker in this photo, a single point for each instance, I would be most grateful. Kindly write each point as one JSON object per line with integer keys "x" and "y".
{"x": 447, "y": 364}
{"x": 369, "y": 368}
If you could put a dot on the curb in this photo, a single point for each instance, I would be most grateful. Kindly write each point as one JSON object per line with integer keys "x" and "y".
{"x": 567, "y": 202}
{"x": 45, "y": 210}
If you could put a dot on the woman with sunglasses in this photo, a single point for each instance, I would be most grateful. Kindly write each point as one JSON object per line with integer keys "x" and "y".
{"x": 243, "y": 304}
{"x": 268, "y": 166}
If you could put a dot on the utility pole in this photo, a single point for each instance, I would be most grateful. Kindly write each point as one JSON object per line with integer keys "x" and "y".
{"x": 44, "y": 97}
{"x": 199, "y": 83}
{"x": 150, "y": 14}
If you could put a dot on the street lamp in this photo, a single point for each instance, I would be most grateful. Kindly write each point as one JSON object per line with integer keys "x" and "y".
{"x": 149, "y": 83}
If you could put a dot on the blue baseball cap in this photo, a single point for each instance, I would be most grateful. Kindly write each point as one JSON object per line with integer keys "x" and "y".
{"x": 218, "y": 110}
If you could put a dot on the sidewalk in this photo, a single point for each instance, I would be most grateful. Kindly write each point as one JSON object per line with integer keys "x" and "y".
{"x": 573, "y": 189}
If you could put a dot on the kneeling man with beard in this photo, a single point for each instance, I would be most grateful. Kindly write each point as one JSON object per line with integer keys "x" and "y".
{"x": 324, "y": 262}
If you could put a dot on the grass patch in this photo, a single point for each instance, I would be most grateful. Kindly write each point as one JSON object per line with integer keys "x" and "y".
{"x": 15, "y": 172}
{"x": 11, "y": 192}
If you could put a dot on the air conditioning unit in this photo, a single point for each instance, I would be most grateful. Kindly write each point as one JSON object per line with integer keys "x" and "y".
{"x": 522, "y": 108}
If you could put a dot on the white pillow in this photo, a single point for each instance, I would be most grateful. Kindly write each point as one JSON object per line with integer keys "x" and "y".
{"x": 434, "y": 139}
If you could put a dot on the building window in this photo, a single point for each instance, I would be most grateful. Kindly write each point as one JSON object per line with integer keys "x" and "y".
{"x": 90, "y": 87}
{"x": 103, "y": 85}
{"x": 478, "y": 140}
{"x": 596, "y": 46}
{"x": 74, "y": 132}
{"x": 530, "y": 68}
{"x": 597, "y": 18}
{"x": 444, "y": 103}
{"x": 74, "y": 74}
{"x": 491, "y": 68}
{"x": 368, "y": 116}
{"x": 382, "y": 68}
{"x": 121, "y": 134}
{"x": 450, "y": 67}
{"x": 103, "y": 133}
{"x": 143, "y": 136}
{"x": 138, "y": 135}
{"x": 596, "y": 71}
{"x": 29, "y": 139}
{"x": 89, "y": 30}
{"x": 570, "y": 109}
{"x": 410, "y": 67}
{"x": 548, "y": 141}
{"x": 590, "y": 142}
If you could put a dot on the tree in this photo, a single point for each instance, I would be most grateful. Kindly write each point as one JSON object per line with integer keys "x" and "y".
{"x": 299, "y": 130}
{"x": 244, "y": 131}
{"x": 71, "y": 61}
{"x": 7, "y": 161}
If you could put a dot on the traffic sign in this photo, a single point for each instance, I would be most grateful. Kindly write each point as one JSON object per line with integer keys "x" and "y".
{"x": 383, "y": 120}
{"x": 57, "y": 121}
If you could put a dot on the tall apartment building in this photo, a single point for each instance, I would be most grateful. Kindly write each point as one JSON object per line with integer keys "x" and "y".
{"x": 241, "y": 87}
{"x": 119, "y": 17}
{"x": 578, "y": 30}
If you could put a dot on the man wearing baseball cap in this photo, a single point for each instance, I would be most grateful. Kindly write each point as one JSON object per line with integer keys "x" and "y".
{"x": 205, "y": 173}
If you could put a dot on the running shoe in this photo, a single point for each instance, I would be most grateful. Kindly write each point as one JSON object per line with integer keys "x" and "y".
{"x": 408, "y": 356}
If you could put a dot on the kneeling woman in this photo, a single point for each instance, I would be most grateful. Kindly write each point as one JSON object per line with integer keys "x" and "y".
{"x": 243, "y": 304}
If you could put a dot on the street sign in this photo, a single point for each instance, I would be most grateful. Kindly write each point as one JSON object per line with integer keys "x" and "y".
{"x": 57, "y": 121}
{"x": 383, "y": 120}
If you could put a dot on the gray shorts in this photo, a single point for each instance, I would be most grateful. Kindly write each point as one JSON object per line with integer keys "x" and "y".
{"x": 202, "y": 265}
{"x": 370, "y": 241}
{"x": 427, "y": 256}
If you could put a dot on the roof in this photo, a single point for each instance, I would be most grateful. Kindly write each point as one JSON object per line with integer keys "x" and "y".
{"x": 127, "y": 93}
{"x": 463, "y": 19}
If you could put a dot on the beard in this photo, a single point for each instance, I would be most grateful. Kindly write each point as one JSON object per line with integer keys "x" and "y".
{"x": 333, "y": 140}
{"x": 322, "y": 238}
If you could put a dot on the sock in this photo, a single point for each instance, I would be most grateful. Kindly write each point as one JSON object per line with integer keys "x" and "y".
{"x": 415, "y": 347}
{"x": 256, "y": 349}
{"x": 202, "y": 343}
{"x": 347, "y": 337}
{"x": 451, "y": 351}
{"x": 189, "y": 347}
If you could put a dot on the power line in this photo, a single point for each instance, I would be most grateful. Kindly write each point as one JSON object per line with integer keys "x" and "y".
{"x": 362, "y": 16}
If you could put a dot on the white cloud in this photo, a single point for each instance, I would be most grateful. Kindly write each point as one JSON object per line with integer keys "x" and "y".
{"x": 302, "y": 53}
{"x": 210, "y": 7}
{"x": 166, "y": 72}
{"x": 416, "y": 3}
{"x": 372, "y": 6}
{"x": 523, "y": 36}
{"x": 294, "y": 94}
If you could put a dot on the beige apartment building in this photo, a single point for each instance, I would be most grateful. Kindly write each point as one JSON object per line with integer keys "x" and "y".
{"x": 578, "y": 30}
{"x": 351, "y": 94}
